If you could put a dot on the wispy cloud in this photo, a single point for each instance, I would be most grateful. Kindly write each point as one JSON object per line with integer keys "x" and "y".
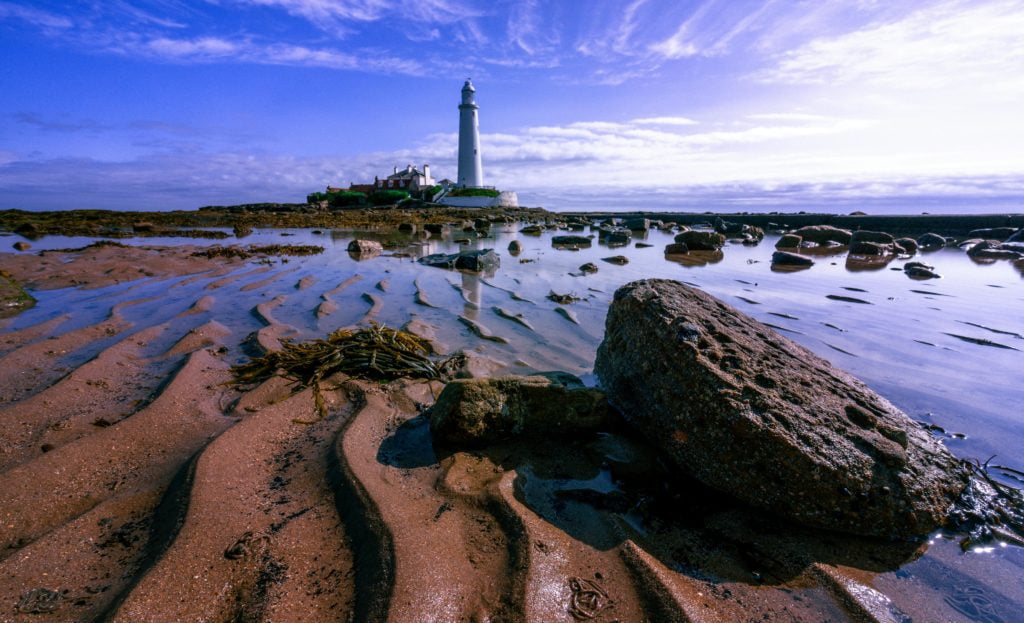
{"x": 36, "y": 17}
{"x": 955, "y": 43}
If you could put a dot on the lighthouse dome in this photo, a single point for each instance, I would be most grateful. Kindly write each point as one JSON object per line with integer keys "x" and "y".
{"x": 468, "y": 86}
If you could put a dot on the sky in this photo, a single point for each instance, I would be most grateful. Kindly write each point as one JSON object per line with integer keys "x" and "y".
{"x": 831, "y": 105}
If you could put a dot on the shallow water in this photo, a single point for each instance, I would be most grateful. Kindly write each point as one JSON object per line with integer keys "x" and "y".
{"x": 904, "y": 338}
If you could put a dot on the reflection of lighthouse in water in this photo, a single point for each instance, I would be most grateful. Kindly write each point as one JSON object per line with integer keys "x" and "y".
{"x": 471, "y": 170}
{"x": 472, "y": 292}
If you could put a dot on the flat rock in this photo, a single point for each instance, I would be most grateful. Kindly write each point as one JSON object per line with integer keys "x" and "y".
{"x": 993, "y": 233}
{"x": 757, "y": 416}
{"x": 676, "y": 248}
{"x": 579, "y": 241}
{"x": 474, "y": 412}
{"x": 785, "y": 258}
{"x": 931, "y": 241}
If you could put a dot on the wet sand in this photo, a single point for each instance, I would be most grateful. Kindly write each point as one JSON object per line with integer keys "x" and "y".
{"x": 137, "y": 486}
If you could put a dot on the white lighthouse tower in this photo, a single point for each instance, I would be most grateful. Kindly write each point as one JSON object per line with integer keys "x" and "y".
{"x": 471, "y": 171}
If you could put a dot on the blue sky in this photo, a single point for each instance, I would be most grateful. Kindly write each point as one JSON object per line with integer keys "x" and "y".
{"x": 711, "y": 104}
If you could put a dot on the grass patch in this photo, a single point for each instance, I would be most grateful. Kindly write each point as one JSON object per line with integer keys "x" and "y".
{"x": 474, "y": 192}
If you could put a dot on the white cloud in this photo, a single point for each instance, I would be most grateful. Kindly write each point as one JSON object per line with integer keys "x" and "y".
{"x": 665, "y": 121}
{"x": 953, "y": 44}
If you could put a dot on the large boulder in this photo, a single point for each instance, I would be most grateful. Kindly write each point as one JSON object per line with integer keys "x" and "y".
{"x": 820, "y": 234}
{"x": 907, "y": 245}
{"x": 863, "y": 247}
{"x": 474, "y": 412}
{"x": 637, "y": 224}
{"x": 701, "y": 240}
{"x": 479, "y": 260}
{"x": 757, "y": 416}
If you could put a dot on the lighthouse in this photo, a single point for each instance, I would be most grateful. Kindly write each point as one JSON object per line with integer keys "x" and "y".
{"x": 471, "y": 171}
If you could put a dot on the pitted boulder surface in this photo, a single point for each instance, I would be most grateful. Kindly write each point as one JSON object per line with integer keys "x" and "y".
{"x": 757, "y": 416}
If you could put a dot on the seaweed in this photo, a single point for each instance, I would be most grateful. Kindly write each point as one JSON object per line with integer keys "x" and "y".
{"x": 376, "y": 353}
{"x": 988, "y": 510}
{"x": 269, "y": 249}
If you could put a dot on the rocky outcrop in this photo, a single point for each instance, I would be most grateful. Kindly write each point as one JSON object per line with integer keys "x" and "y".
{"x": 753, "y": 414}
{"x": 789, "y": 241}
{"x": 479, "y": 260}
{"x": 637, "y": 224}
{"x": 820, "y": 234}
{"x": 474, "y": 412}
{"x": 993, "y": 233}
{"x": 992, "y": 250}
{"x": 784, "y": 258}
{"x": 701, "y": 240}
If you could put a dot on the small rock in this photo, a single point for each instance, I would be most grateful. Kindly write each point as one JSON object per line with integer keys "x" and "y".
{"x": 588, "y": 268}
{"x": 435, "y": 228}
{"x": 577, "y": 241}
{"x": 786, "y": 258}
{"x": 643, "y": 245}
{"x": 515, "y": 248}
{"x": 616, "y": 259}
{"x": 364, "y": 249}
{"x": 21, "y": 245}
{"x": 931, "y": 241}
{"x": 474, "y": 412}
{"x": 992, "y": 250}
{"x": 532, "y": 230}
{"x": 789, "y": 241}
{"x": 677, "y": 248}
{"x": 478, "y": 260}
{"x": 407, "y": 227}
{"x": 701, "y": 240}
{"x": 877, "y": 237}
{"x": 824, "y": 233}
{"x": 637, "y": 224}
{"x": 909, "y": 245}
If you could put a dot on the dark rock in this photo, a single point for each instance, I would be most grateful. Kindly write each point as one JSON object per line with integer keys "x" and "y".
{"x": 753, "y": 414}
{"x": 637, "y": 224}
{"x": 701, "y": 240}
{"x": 921, "y": 271}
{"x": 992, "y": 250}
{"x": 481, "y": 224}
{"x": 912, "y": 265}
{"x": 365, "y": 249}
{"x": 864, "y": 247}
{"x": 993, "y": 233}
{"x": 931, "y": 241}
{"x": 619, "y": 237}
{"x": 435, "y": 228}
{"x": 909, "y": 245}
{"x": 515, "y": 248}
{"x": 588, "y": 268}
{"x": 1016, "y": 237}
{"x": 474, "y": 412}
{"x": 677, "y": 248}
{"x": 532, "y": 230}
{"x": 21, "y": 245}
{"x": 824, "y": 233}
{"x": 478, "y": 260}
{"x": 789, "y": 241}
{"x": 877, "y": 237}
{"x": 577, "y": 241}
{"x": 407, "y": 227}
{"x": 616, "y": 259}
{"x": 785, "y": 258}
